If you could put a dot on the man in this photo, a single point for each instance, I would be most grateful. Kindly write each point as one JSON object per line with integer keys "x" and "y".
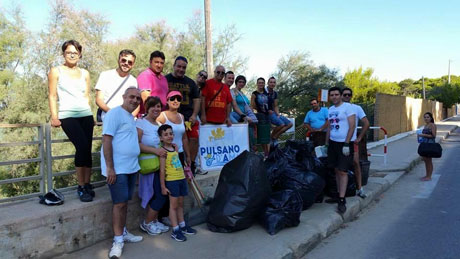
{"x": 360, "y": 116}
{"x": 317, "y": 123}
{"x": 339, "y": 134}
{"x": 151, "y": 81}
{"x": 282, "y": 123}
{"x": 112, "y": 83}
{"x": 229, "y": 79}
{"x": 119, "y": 164}
{"x": 201, "y": 78}
{"x": 216, "y": 100}
{"x": 190, "y": 105}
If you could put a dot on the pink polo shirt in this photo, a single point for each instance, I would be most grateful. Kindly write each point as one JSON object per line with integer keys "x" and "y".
{"x": 157, "y": 85}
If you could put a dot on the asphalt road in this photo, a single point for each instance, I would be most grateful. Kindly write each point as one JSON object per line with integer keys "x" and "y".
{"x": 413, "y": 219}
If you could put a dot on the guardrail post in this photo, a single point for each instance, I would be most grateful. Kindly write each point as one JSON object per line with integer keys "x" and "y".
{"x": 49, "y": 157}
{"x": 41, "y": 148}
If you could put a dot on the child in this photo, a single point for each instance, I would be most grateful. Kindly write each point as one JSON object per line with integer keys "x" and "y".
{"x": 173, "y": 183}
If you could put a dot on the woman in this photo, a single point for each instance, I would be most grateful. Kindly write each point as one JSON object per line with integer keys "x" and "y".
{"x": 172, "y": 117}
{"x": 243, "y": 103}
{"x": 428, "y": 135}
{"x": 69, "y": 88}
{"x": 259, "y": 102}
{"x": 149, "y": 184}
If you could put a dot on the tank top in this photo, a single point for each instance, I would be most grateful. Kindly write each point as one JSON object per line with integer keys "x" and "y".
{"x": 178, "y": 130}
{"x": 71, "y": 96}
{"x": 428, "y": 132}
{"x": 261, "y": 101}
{"x": 173, "y": 167}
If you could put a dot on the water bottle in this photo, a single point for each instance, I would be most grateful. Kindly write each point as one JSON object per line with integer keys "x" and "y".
{"x": 419, "y": 138}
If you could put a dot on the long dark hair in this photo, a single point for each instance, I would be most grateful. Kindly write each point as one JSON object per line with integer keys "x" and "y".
{"x": 431, "y": 116}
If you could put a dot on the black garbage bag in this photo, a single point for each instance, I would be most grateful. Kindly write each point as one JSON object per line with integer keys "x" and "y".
{"x": 331, "y": 185}
{"x": 241, "y": 195}
{"x": 283, "y": 210}
{"x": 309, "y": 185}
{"x": 275, "y": 165}
{"x": 300, "y": 152}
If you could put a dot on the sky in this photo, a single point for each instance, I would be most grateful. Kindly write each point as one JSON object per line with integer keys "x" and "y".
{"x": 399, "y": 39}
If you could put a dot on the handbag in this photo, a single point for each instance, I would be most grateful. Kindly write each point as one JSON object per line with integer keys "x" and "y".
{"x": 149, "y": 163}
{"x": 430, "y": 150}
{"x": 99, "y": 110}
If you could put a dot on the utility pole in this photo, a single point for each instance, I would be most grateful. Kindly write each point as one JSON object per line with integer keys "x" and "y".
{"x": 448, "y": 73}
{"x": 208, "y": 35}
{"x": 423, "y": 86}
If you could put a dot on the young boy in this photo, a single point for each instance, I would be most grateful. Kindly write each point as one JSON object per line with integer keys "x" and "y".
{"x": 173, "y": 182}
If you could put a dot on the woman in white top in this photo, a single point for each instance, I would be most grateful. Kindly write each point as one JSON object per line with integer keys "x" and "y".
{"x": 69, "y": 88}
{"x": 149, "y": 184}
{"x": 172, "y": 117}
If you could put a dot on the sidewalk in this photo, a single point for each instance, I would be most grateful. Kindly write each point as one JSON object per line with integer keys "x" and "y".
{"x": 316, "y": 224}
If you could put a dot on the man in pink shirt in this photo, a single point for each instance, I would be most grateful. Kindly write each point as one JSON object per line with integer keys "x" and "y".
{"x": 152, "y": 81}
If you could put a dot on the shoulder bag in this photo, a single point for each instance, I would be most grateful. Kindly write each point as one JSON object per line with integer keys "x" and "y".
{"x": 430, "y": 150}
{"x": 99, "y": 110}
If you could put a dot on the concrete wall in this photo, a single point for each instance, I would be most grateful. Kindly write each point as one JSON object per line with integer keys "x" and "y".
{"x": 401, "y": 114}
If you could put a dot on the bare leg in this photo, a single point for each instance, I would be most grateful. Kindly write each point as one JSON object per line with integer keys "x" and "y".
{"x": 428, "y": 168}
{"x": 119, "y": 212}
{"x": 342, "y": 183}
{"x": 180, "y": 209}
{"x": 281, "y": 131}
{"x": 173, "y": 205}
{"x": 357, "y": 170}
{"x": 87, "y": 174}
{"x": 275, "y": 132}
{"x": 81, "y": 175}
{"x": 152, "y": 215}
{"x": 193, "y": 143}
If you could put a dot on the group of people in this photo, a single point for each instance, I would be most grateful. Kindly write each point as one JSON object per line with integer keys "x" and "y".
{"x": 157, "y": 115}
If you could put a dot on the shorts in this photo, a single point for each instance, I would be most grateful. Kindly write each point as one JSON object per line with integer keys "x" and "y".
{"x": 177, "y": 188}
{"x": 194, "y": 133}
{"x": 278, "y": 121}
{"x": 336, "y": 159}
{"x": 123, "y": 188}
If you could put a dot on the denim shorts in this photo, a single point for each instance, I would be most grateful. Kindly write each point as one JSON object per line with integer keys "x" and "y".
{"x": 278, "y": 121}
{"x": 177, "y": 188}
{"x": 123, "y": 188}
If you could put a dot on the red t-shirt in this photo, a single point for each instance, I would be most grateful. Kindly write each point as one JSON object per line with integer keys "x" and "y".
{"x": 216, "y": 112}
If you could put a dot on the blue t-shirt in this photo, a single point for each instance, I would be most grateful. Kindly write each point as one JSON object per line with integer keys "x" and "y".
{"x": 316, "y": 119}
{"x": 120, "y": 124}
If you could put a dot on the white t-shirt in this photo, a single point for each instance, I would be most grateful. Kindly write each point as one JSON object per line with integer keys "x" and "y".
{"x": 360, "y": 114}
{"x": 149, "y": 133}
{"x": 120, "y": 124}
{"x": 108, "y": 83}
{"x": 338, "y": 120}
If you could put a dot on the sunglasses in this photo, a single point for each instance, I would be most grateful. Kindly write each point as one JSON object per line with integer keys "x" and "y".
{"x": 203, "y": 76}
{"x": 176, "y": 97}
{"x": 347, "y": 95}
{"x": 124, "y": 60}
{"x": 220, "y": 72}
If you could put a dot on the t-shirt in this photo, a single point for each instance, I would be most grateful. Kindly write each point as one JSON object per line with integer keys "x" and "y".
{"x": 338, "y": 121}
{"x": 360, "y": 114}
{"x": 149, "y": 133}
{"x": 120, "y": 124}
{"x": 108, "y": 83}
{"x": 216, "y": 112}
{"x": 173, "y": 168}
{"x": 241, "y": 99}
{"x": 316, "y": 119}
{"x": 271, "y": 100}
{"x": 157, "y": 85}
{"x": 189, "y": 91}
{"x": 261, "y": 101}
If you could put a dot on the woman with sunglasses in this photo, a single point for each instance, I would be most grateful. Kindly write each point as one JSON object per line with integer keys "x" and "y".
{"x": 172, "y": 117}
{"x": 69, "y": 88}
{"x": 149, "y": 184}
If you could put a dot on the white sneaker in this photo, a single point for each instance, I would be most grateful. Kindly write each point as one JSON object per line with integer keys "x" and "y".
{"x": 117, "y": 249}
{"x": 130, "y": 238}
{"x": 361, "y": 193}
{"x": 150, "y": 228}
{"x": 161, "y": 227}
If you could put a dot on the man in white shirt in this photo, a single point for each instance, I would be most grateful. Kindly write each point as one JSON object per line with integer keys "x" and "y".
{"x": 119, "y": 164}
{"x": 347, "y": 94}
{"x": 109, "y": 88}
{"x": 339, "y": 134}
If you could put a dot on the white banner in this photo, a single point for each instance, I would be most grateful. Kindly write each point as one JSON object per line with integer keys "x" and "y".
{"x": 220, "y": 144}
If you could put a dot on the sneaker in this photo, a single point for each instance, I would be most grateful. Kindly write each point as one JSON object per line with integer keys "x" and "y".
{"x": 150, "y": 228}
{"x": 130, "y": 238}
{"x": 84, "y": 195}
{"x": 89, "y": 189}
{"x": 198, "y": 171}
{"x": 178, "y": 236}
{"x": 188, "y": 230}
{"x": 116, "y": 250}
{"x": 162, "y": 227}
{"x": 361, "y": 193}
{"x": 341, "y": 207}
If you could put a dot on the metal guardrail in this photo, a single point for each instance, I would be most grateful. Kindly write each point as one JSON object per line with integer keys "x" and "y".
{"x": 45, "y": 159}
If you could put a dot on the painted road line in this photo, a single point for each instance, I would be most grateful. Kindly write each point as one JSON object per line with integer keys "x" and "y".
{"x": 427, "y": 187}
